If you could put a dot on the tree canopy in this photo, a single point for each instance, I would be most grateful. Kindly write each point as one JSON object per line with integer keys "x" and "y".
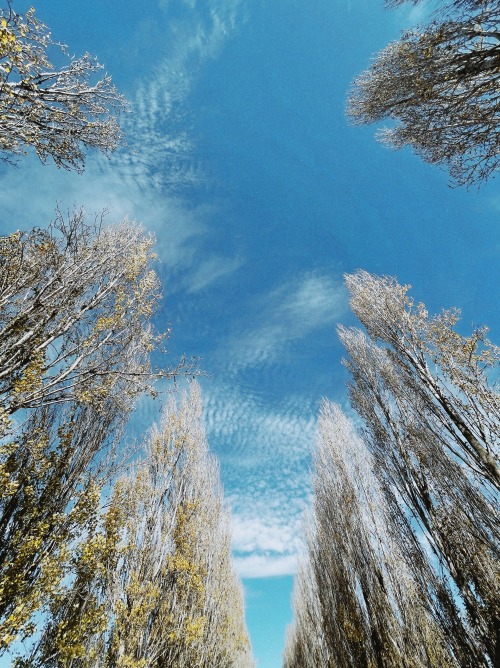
{"x": 76, "y": 302}
{"x": 440, "y": 83}
{"x": 59, "y": 112}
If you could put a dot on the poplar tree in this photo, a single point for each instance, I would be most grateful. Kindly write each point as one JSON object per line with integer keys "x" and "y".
{"x": 365, "y": 594}
{"x": 440, "y": 83}
{"x": 432, "y": 421}
{"x": 176, "y": 599}
{"x": 58, "y": 112}
{"x": 75, "y": 304}
{"x": 75, "y": 342}
{"x": 154, "y": 583}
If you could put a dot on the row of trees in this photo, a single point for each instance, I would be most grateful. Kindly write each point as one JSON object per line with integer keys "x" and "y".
{"x": 402, "y": 544}
{"x": 152, "y": 582}
{"x": 124, "y": 570}
{"x": 108, "y": 557}
{"x": 133, "y": 569}
{"x": 402, "y": 564}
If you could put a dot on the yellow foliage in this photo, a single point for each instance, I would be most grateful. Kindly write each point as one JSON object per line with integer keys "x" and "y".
{"x": 70, "y": 637}
{"x": 194, "y": 629}
{"x": 32, "y": 377}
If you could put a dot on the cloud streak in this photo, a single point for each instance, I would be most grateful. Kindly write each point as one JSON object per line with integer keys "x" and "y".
{"x": 161, "y": 153}
{"x": 212, "y": 270}
{"x": 290, "y": 313}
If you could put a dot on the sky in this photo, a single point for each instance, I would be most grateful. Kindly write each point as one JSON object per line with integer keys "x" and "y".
{"x": 240, "y": 159}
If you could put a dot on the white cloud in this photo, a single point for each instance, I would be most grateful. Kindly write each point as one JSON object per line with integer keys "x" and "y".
{"x": 265, "y": 451}
{"x": 410, "y": 15}
{"x": 262, "y": 566}
{"x": 254, "y": 534}
{"x": 266, "y": 442}
{"x": 289, "y": 314}
{"x": 210, "y": 271}
{"x": 418, "y": 13}
{"x": 179, "y": 229}
{"x": 253, "y": 428}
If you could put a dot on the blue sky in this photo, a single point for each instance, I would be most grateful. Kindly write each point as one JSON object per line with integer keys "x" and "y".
{"x": 261, "y": 196}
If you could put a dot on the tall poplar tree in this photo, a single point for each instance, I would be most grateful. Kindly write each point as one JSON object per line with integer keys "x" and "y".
{"x": 154, "y": 582}
{"x": 75, "y": 342}
{"x": 365, "y": 594}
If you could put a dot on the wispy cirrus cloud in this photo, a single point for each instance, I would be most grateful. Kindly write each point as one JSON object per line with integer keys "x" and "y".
{"x": 419, "y": 13}
{"x": 180, "y": 229}
{"x": 265, "y": 437}
{"x": 290, "y": 313}
{"x": 265, "y": 448}
{"x": 161, "y": 153}
{"x": 254, "y": 427}
{"x": 211, "y": 270}
{"x": 411, "y": 14}
{"x": 255, "y": 535}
